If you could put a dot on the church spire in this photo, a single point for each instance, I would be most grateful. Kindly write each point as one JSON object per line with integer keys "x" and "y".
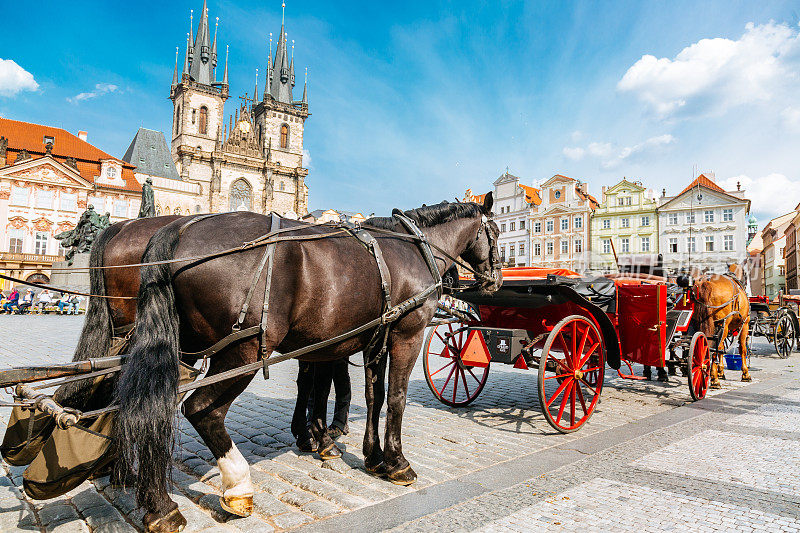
{"x": 280, "y": 80}
{"x": 175, "y": 73}
{"x": 214, "y": 53}
{"x": 188, "y": 60}
{"x": 291, "y": 66}
{"x": 255, "y": 90}
{"x": 267, "y": 87}
{"x": 201, "y": 69}
{"x": 305, "y": 89}
{"x": 189, "y": 51}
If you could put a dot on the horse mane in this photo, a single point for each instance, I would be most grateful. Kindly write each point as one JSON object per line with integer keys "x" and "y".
{"x": 430, "y": 215}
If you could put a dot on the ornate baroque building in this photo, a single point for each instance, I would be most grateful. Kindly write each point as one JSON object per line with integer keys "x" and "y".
{"x": 255, "y": 160}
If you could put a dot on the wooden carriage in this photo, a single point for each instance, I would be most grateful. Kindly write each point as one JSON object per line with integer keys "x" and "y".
{"x": 568, "y": 327}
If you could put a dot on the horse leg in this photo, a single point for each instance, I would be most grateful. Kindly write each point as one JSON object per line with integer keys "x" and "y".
{"x": 662, "y": 374}
{"x": 647, "y": 373}
{"x": 300, "y": 429}
{"x": 743, "y": 333}
{"x": 375, "y": 393}
{"x": 206, "y": 410}
{"x": 323, "y": 378}
{"x": 404, "y": 353}
{"x": 717, "y": 370}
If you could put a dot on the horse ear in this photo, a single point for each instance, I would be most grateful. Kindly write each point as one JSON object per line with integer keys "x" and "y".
{"x": 488, "y": 201}
{"x": 396, "y": 211}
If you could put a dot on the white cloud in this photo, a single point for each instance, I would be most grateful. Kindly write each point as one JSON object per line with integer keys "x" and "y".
{"x": 712, "y": 76}
{"x": 611, "y": 156}
{"x": 791, "y": 117}
{"x": 14, "y": 78}
{"x": 771, "y": 195}
{"x": 99, "y": 90}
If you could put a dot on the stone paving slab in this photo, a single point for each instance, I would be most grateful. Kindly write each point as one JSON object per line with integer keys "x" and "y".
{"x": 295, "y": 489}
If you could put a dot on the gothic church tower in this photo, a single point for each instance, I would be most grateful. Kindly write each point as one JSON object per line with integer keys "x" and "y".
{"x": 255, "y": 161}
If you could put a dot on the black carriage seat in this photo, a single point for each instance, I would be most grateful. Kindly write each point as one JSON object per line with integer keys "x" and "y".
{"x": 759, "y": 307}
{"x": 600, "y": 290}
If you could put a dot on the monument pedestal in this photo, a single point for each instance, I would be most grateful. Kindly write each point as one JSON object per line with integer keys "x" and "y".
{"x": 74, "y": 277}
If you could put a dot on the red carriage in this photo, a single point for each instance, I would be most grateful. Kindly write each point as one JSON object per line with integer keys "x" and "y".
{"x": 568, "y": 327}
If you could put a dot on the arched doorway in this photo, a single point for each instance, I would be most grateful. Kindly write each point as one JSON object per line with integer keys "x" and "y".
{"x": 240, "y": 196}
{"x": 38, "y": 277}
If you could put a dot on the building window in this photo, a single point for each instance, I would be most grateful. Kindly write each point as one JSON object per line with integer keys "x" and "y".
{"x": 672, "y": 219}
{"x": 625, "y": 222}
{"x": 241, "y": 196}
{"x": 606, "y": 223}
{"x": 99, "y": 204}
{"x": 578, "y": 222}
{"x": 194, "y": 116}
{"x": 564, "y": 246}
{"x": 628, "y": 200}
{"x": 120, "y": 208}
{"x": 625, "y": 245}
{"x": 727, "y": 215}
{"x": 284, "y": 136}
{"x": 691, "y": 244}
{"x": 564, "y": 223}
{"x": 511, "y": 226}
{"x": 690, "y": 218}
{"x": 537, "y": 249}
{"x": 203, "y": 127}
{"x": 606, "y": 246}
{"x": 40, "y": 245}
{"x": 709, "y": 243}
{"x": 521, "y": 249}
{"x": 549, "y": 226}
{"x": 645, "y": 220}
{"x": 578, "y": 247}
{"x": 177, "y": 120}
{"x": 727, "y": 243}
{"x": 511, "y": 251}
{"x": 503, "y": 253}
{"x": 781, "y": 270}
{"x": 282, "y": 186}
{"x": 620, "y": 201}
{"x": 708, "y": 216}
{"x": 44, "y": 199}
{"x": 503, "y": 227}
{"x": 645, "y": 244}
{"x": 15, "y": 239}
{"x": 673, "y": 245}
{"x": 521, "y": 224}
{"x": 111, "y": 172}
{"x": 19, "y": 196}
{"x": 69, "y": 202}
{"x": 549, "y": 248}
{"x": 48, "y": 139}
{"x": 537, "y": 227}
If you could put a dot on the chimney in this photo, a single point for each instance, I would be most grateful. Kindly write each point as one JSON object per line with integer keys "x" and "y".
{"x": 584, "y": 187}
{"x": 663, "y": 193}
{"x": 710, "y": 175}
{"x": 3, "y": 149}
{"x": 738, "y": 185}
{"x": 603, "y": 193}
{"x": 82, "y": 135}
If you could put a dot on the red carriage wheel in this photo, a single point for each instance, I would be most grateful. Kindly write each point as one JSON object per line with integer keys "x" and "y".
{"x": 699, "y": 366}
{"x": 571, "y": 371}
{"x": 450, "y": 380}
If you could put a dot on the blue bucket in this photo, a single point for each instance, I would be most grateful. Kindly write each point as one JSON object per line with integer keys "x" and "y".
{"x": 733, "y": 361}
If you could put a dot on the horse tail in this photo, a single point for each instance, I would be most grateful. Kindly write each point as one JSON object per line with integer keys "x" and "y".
{"x": 147, "y": 392}
{"x": 97, "y": 332}
{"x": 704, "y": 315}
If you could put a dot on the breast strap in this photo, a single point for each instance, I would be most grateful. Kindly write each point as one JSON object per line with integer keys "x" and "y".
{"x": 424, "y": 247}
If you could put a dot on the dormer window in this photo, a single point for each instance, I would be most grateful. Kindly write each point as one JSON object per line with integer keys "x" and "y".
{"x": 111, "y": 172}
{"x": 49, "y": 139}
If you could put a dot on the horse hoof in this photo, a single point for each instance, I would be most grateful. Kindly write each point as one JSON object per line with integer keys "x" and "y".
{"x": 237, "y": 505}
{"x": 722, "y": 376}
{"x": 715, "y": 385}
{"x": 404, "y": 476}
{"x": 747, "y": 378}
{"x": 306, "y": 445}
{"x": 378, "y": 470}
{"x": 663, "y": 379}
{"x": 173, "y": 522}
{"x": 331, "y": 452}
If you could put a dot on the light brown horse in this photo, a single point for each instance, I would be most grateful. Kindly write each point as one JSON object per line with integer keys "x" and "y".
{"x": 723, "y": 302}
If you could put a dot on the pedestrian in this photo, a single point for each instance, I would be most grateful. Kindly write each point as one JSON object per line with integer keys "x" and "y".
{"x": 45, "y": 299}
{"x": 63, "y": 302}
{"x": 12, "y": 301}
{"x": 75, "y": 302}
{"x": 27, "y": 302}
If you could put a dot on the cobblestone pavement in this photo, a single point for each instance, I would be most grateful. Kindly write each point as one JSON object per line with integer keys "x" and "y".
{"x": 445, "y": 445}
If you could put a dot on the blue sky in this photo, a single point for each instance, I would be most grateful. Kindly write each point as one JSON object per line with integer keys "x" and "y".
{"x": 413, "y": 102}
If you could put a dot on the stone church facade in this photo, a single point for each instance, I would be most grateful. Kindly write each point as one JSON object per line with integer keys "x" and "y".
{"x": 254, "y": 160}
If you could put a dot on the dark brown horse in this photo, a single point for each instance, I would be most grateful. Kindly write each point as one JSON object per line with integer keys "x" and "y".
{"x": 320, "y": 289}
{"x": 723, "y": 303}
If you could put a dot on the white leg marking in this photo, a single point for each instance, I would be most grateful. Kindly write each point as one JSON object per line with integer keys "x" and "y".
{"x": 235, "y": 473}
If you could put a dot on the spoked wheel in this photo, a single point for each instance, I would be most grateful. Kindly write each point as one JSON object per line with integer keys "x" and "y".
{"x": 699, "y": 366}
{"x": 450, "y": 380}
{"x": 571, "y": 371}
{"x": 784, "y": 334}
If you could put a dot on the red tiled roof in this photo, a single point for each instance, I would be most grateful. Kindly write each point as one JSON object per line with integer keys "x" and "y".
{"x": 593, "y": 203}
{"x": 476, "y": 198}
{"x": 30, "y": 137}
{"x": 531, "y": 195}
{"x": 703, "y": 180}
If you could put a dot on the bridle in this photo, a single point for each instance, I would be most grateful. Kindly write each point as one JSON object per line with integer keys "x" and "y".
{"x": 494, "y": 264}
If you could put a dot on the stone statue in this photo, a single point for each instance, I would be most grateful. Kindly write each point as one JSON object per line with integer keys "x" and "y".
{"x": 148, "y": 205}
{"x": 79, "y": 239}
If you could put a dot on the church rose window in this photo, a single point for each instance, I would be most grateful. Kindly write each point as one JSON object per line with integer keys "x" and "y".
{"x": 241, "y": 196}
{"x": 284, "y": 136}
{"x": 204, "y": 120}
